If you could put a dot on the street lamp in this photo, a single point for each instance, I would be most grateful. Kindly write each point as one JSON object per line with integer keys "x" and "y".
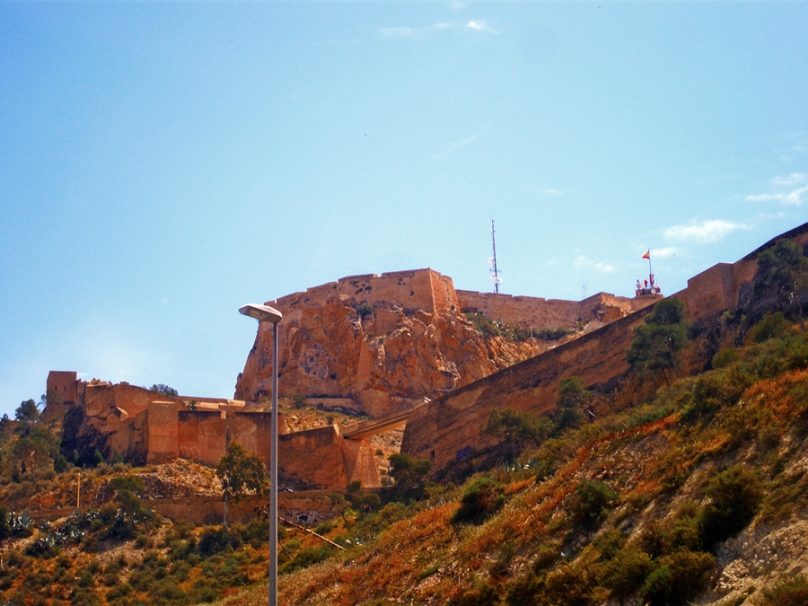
{"x": 264, "y": 313}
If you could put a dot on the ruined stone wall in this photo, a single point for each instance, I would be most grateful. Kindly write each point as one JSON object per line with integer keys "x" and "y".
{"x": 307, "y": 508}
{"x": 162, "y": 432}
{"x": 200, "y": 436}
{"x": 322, "y": 458}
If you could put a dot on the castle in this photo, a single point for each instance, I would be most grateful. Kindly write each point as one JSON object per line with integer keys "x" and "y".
{"x": 399, "y": 347}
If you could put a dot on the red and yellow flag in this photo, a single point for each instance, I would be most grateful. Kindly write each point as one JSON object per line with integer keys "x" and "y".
{"x": 646, "y": 254}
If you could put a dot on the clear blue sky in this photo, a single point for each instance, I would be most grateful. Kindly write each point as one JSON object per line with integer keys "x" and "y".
{"x": 162, "y": 164}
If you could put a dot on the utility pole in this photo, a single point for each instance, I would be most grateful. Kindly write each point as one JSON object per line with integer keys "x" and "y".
{"x": 494, "y": 270}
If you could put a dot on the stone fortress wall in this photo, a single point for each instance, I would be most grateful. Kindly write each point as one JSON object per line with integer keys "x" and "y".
{"x": 431, "y": 291}
{"x": 412, "y": 289}
{"x": 387, "y": 341}
{"x": 537, "y": 312}
{"x": 452, "y": 426}
{"x": 150, "y": 428}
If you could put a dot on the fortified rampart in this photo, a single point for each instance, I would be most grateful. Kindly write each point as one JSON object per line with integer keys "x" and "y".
{"x": 387, "y": 341}
{"x": 145, "y": 427}
{"x": 452, "y": 427}
{"x": 536, "y": 312}
{"x": 413, "y": 289}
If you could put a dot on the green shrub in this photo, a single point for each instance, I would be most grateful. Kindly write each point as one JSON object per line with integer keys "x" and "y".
{"x": 256, "y": 532}
{"x": 679, "y": 578}
{"x": 218, "y": 540}
{"x": 735, "y": 495}
{"x": 791, "y": 591}
{"x": 481, "y": 594}
{"x": 657, "y": 342}
{"x": 128, "y": 483}
{"x": 527, "y": 591}
{"x": 715, "y": 390}
{"x": 725, "y": 357}
{"x": 410, "y": 478}
{"x": 364, "y": 310}
{"x": 481, "y": 500}
{"x": 568, "y": 586}
{"x": 626, "y": 572}
{"x": 609, "y": 543}
{"x": 590, "y": 502}
{"x": 572, "y": 398}
{"x": 772, "y": 325}
{"x": 44, "y": 547}
{"x": 307, "y": 557}
{"x": 518, "y": 429}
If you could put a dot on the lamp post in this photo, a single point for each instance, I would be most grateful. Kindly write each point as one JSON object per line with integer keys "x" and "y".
{"x": 264, "y": 313}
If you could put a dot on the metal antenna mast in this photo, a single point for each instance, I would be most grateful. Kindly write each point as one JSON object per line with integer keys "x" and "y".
{"x": 494, "y": 270}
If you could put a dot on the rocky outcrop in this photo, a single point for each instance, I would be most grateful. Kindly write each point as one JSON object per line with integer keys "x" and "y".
{"x": 386, "y": 341}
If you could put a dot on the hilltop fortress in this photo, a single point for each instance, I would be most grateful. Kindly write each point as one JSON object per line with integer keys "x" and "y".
{"x": 380, "y": 343}
{"x": 374, "y": 344}
{"x": 398, "y": 347}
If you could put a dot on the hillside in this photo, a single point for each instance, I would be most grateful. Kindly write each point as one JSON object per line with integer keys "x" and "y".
{"x": 700, "y": 493}
{"x": 684, "y": 482}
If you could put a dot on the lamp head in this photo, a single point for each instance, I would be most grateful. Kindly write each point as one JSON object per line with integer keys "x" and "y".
{"x": 262, "y": 313}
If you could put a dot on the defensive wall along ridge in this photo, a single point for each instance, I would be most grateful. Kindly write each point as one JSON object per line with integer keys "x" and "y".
{"x": 145, "y": 427}
{"x": 452, "y": 427}
{"x": 385, "y": 341}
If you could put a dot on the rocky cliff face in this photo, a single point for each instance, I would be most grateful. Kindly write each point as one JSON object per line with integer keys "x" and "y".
{"x": 384, "y": 358}
{"x": 389, "y": 340}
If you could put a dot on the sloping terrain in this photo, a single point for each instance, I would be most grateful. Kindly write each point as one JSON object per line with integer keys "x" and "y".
{"x": 665, "y": 530}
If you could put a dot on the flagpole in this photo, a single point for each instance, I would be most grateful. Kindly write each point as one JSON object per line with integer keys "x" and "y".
{"x": 650, "y": 269}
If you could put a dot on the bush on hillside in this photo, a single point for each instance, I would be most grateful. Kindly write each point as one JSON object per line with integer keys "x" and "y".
{"x": 657, "y": 342}
{"x": 715, "y": 390}
{"x": 771, "y": 326}
{"x": 626, "y": 572}
{"x": 590, "y": 501}
{"x": 481, "y": 500}
{"x": 782, "y": 274}
{"x": 572, "y": 397}
{"x": 735, "y": 496}
{"x": 678, "y": 578}
{"x": 518, "y": 429}
{"x": 218, "y": 540}
{"x": 481, "y": 594}
{"x": 409, "y": 474}
{"x": 791, "y": 591}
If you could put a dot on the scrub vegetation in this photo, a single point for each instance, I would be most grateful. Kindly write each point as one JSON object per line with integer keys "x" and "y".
{"x": 648, "y": 502}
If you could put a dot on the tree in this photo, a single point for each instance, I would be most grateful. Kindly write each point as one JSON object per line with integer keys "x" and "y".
{"x": 571, "y": 399}
{"x": 27, "y": 412}
{"x": 410, "y": 477}
{"x": 782, "y": 272}
{"x": 518, "y": 429}
{"x": 657, "y": 342}
{"x": 240, "y": 473}
{"x": 164, "y": 390}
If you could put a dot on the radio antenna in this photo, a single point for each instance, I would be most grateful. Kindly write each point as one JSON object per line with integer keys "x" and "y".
{"x": 494, "y": 269}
